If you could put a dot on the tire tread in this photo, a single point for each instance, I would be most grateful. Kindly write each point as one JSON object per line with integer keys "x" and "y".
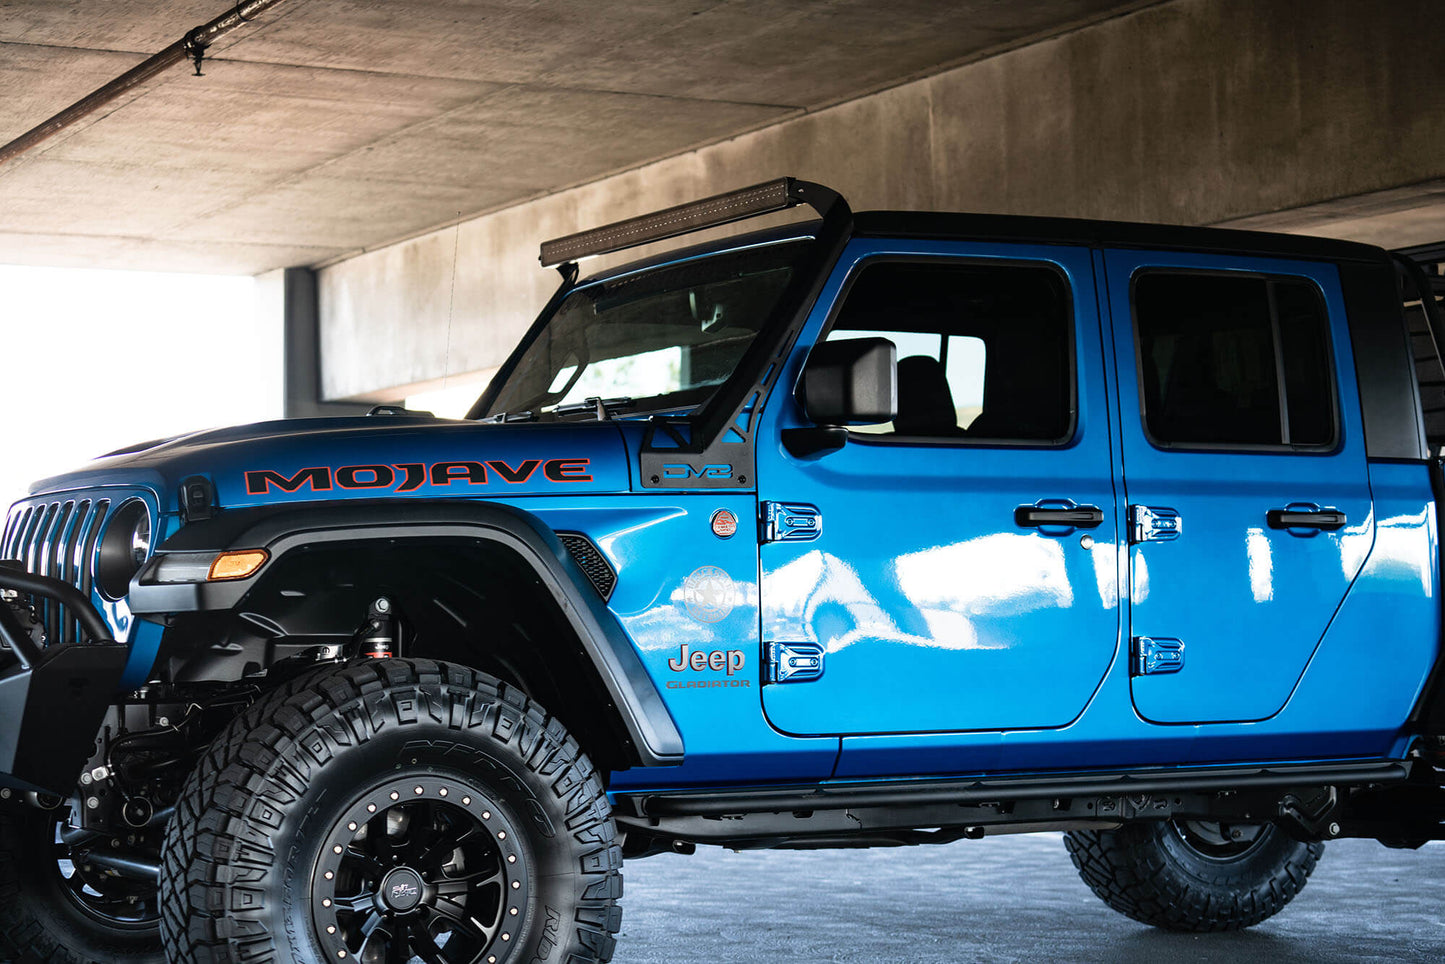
{"x": 213, "y": 844}
{"x": 1127, "y": 869}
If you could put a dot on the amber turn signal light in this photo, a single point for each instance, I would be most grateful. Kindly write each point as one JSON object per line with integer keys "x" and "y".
{"x": 237, "y": 565}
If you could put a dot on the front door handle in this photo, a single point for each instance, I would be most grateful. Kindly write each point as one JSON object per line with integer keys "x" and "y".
{"x": 1060, "y": 513}
{"x": 1305, "y": 516}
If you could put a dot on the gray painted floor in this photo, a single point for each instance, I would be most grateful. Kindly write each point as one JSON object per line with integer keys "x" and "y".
{"x": 1002, "y": 899}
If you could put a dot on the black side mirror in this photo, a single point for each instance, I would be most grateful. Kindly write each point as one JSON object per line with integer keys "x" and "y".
{"x": 851, "y": 382}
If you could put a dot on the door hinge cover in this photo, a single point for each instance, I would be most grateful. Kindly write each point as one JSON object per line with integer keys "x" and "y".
{"x": 1153, "y": 523}
{"x": 793, "y": 663}
{"x": 1157, "y": 656}
{"x": 790, "y": 522}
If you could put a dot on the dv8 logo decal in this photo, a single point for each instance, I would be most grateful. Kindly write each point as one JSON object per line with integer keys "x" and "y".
{"x": 681, "y": 470}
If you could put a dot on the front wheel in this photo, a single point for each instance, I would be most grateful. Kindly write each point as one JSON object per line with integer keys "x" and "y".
{"x": 1193, "y": 875}
{"x": 390, "y": 810}
{"x": 57, "y": 907}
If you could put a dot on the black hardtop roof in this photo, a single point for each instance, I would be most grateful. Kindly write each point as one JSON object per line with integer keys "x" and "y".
{"x": 1027, "y": 229}
{"x": 1020, "y": 228}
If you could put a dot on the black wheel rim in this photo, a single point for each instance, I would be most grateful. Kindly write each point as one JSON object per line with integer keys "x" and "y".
{"x": 424, "y": 868}
{"x": 1220, "y": 840}
{"x": 123, "y": 903}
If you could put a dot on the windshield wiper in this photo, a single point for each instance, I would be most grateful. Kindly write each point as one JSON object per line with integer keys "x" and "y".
{"x": 601, "y": 407}
{"x": 501, "y": 417}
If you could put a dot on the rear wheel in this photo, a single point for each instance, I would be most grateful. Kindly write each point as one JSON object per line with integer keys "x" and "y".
{"x": 390, "y": 810}
{"x": 1193, "y": 875}
{"x": 57, "y": 907}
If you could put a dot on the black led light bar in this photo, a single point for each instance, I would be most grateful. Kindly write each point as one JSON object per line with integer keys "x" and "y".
{"x": 765, "y": 198}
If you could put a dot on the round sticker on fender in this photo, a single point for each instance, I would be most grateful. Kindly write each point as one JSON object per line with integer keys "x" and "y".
{"x": 724, "y": 524}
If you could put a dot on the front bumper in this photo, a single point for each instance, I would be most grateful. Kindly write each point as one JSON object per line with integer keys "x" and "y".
{"x": 52, "y": 698}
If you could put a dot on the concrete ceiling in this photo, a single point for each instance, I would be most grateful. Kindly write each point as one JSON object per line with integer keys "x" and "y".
{"x": 327, "y": 127}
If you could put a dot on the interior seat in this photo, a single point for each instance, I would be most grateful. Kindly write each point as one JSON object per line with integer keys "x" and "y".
{"x": 925, "y": 403}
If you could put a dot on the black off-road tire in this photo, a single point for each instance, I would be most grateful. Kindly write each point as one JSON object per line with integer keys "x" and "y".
{"x": 255, "y": 825}
{"x": 1160, "y": 873}
{"x": 40, "y": 921}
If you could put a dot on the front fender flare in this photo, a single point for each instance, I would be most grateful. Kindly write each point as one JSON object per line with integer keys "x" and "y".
{"x": 280, "y": 529}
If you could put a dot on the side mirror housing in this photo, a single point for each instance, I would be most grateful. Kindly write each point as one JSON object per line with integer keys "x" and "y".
{"x": 851, "y": 382}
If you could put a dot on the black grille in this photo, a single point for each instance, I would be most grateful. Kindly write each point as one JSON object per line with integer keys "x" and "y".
{"x": 585, "y": 554}
{"x": 56, "y": 539}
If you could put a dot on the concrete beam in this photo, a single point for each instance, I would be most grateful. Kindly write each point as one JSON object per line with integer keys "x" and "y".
{"x": 1193, "y": 111}
{"x": 330, "y": 127}
{"x": 1394, "y": 218}
{"x": 292, "y": 292}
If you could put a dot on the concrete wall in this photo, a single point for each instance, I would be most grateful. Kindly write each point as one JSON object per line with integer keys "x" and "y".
{"x": 1193, "y": 111}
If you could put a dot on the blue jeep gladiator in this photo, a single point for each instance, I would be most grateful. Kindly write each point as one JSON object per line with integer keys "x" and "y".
{"x": 870, "y": 530}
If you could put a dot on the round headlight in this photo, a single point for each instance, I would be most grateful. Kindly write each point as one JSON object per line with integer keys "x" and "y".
{"x": 140, "y": 540}
{"x": 124, "y": 548}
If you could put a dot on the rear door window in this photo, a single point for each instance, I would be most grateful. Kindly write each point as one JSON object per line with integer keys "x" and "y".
{"x": 1234, "y": 361}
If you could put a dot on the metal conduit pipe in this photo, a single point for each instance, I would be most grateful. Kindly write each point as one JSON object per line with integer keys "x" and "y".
{"x": 191, "y": 46}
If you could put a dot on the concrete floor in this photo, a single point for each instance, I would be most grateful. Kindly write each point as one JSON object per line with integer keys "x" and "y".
{"x": 1002, "y": 899}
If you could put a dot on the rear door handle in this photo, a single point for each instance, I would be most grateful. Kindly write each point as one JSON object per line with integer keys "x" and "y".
{"x": 1305, "y": 516}
{"x": 1060, "y": 513}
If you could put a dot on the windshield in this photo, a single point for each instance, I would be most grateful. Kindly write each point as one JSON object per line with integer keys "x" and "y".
{"x": 654, "y": 341}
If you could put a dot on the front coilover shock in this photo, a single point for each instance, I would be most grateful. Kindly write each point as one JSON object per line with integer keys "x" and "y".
{"x": 379, "y": 637}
